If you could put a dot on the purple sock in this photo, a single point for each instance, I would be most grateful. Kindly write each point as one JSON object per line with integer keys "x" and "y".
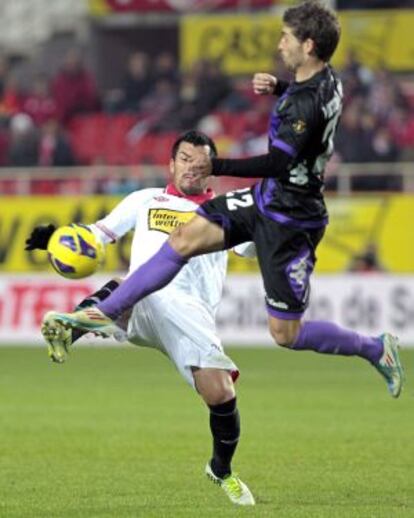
{"x": 329, "y": 338}
{"x": 151, "y": 276}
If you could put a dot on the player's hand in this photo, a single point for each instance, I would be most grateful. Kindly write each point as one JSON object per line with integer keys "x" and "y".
{"x": 39, "y": 237}
{"x": 202, "y": 167}
{"x": 264, "y": 84}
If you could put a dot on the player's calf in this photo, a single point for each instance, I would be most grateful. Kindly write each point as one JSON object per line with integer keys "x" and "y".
{"x": 284, "y": 332}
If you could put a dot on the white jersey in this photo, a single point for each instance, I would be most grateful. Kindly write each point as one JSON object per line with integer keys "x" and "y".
{"x": 153, "y": 215}
{"x": 179, "y": 319}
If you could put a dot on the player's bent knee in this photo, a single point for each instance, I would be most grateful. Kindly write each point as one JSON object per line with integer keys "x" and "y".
{"x": 219, "y": 393}
{"x": 219, "y": 397}
{"x": 215, "y": 386}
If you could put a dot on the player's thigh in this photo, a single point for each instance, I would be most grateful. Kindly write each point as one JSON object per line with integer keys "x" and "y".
{"x": 186, "y": 333}
{"x": 287, "y": 258}
{"x": 198, "y": 236}
{"x": 220, "y": 223}
{"x": 215, "y": 386}
{"x": 234, "y": 213}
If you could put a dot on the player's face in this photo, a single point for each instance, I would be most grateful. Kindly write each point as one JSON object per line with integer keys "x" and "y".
{"x": 185, "y": 169}
{"x": 291, "y": 49}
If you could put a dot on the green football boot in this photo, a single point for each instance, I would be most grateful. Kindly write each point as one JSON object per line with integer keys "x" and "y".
{"x": 90, "y": 320}
{"x": 57, "y": 337}
{"x": 389, "y": 365}
{"x": 234, "y": 488}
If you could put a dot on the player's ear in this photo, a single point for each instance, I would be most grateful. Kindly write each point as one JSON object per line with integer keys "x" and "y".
{"x": 172, "y": 166}
{"x": 309, "y": 46}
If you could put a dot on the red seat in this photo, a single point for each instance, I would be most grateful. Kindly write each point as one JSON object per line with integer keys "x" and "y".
{"x": 87, "y": 135}
{"x": 111, "y": 139}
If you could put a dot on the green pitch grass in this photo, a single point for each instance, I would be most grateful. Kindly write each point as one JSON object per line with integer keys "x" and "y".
{"x": 117, "y": 433}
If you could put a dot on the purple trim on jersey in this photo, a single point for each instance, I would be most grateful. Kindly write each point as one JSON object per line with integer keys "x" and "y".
{"x": 283, "y": 315}
{"x": 219, "y": 219}
{"x": 290, "y": 150}
{"x": 263, "y": 201}
{"x": 275, "y": 122}
{"x": 298, "y": 272}
{"x": 271, "y": 187}
{"x": 274, "y": 126}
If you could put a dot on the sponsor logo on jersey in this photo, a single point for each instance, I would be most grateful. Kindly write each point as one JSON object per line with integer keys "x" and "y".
{"x": 298, "y": 272}
{"x": 276, "y": 303}
{"x": 161, "y": 198}
{"x": 299, "y": 126}
{"x": 167, "y": 220}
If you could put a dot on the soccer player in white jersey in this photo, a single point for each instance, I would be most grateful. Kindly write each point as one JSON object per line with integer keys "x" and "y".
{"x": 180, "y": 319}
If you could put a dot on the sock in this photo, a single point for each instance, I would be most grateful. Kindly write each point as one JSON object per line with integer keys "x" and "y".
{"x": 225, "y": 428}
{"x": 92, "y": 300}
{"x": 329, "y": 338}
{"x": 151, "y": 276}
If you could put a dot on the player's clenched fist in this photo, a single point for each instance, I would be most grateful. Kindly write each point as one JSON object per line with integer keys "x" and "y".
{"x": 263, "y": 84}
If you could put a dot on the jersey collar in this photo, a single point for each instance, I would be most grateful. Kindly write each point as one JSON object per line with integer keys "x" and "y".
{"x": 196, "y": 198}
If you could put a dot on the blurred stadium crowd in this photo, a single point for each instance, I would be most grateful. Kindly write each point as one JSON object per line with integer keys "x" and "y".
{"x": 66, "y": 120}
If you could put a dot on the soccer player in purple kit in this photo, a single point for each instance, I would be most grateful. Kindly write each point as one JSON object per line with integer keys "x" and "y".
{"x": 284, "y": 213}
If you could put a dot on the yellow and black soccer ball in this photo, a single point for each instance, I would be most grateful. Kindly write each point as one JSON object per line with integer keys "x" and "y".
{"x": 74, "y": 252}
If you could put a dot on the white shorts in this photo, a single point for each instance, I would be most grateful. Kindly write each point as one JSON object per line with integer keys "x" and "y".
{"x": 182, "y": 328}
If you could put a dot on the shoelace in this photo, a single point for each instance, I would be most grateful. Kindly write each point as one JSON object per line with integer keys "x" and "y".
{"x": 233, "y": 485}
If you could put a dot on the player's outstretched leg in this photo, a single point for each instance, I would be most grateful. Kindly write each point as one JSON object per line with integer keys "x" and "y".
{"x": 59, "y": 338}
{"x": 234, "y": 488}
{"x": 153, "y": 275}
{"x": 381, "y": 352}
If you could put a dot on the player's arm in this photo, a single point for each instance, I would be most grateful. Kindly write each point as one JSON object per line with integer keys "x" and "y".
{"x": 119, "y": 221}
{"x": 108, "y": 230}
{"x": 299, "y": 120}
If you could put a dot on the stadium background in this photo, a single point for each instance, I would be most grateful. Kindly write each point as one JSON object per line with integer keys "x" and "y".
{"x": 148, "y": 70}
{"x": 114, "y": 432}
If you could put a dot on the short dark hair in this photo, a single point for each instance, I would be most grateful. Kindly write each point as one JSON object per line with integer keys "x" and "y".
{"x": 197, "y": 138}
{"x": 317, "y": 22}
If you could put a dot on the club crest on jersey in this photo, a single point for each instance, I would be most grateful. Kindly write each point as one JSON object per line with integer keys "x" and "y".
{"x": 299, "y": 126}
{"x": 167, "y": 220}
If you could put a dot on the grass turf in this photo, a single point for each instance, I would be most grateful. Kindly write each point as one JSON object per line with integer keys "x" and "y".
{"x": 117, "y": 433}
